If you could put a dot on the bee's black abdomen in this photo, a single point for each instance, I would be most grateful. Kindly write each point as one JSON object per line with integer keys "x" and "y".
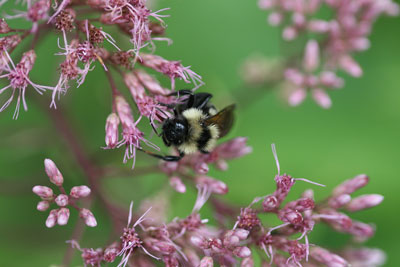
{"x": 203, "y": 140}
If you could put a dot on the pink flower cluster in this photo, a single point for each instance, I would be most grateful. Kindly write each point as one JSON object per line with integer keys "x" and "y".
{"x": 192, "y": 241}
{"x": 336, "y": 40}
{"x": 17, "y": 75}
{"x": 199, "y": 164}
{"x": 61, "y": 214}
{"x": 132, "y": 136}
{"x": 82, "y": 46}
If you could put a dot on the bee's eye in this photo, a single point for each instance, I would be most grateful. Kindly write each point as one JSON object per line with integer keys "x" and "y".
{"x": 175, "y": 131}
{"x": 179, "y": 128}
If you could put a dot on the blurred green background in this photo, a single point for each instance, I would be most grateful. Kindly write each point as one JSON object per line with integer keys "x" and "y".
{"x": 359, "y": 134}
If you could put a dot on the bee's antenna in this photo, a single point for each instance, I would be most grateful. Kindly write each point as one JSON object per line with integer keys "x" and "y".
{"x": 276, "y": 158}
{"x": 154, "y": 128}
{"x": 163, "y": 112}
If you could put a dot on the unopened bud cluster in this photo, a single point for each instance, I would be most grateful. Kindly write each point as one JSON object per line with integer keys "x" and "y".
{"x": 61, "y": 214}
{"x": 330, "y": 46}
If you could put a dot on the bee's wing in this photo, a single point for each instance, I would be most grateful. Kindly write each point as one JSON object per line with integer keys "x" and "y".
{"x": 223, "y": 120}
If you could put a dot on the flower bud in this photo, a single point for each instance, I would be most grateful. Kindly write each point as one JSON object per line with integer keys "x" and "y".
{"x": 150, "y": 83}
{"x": 297, "y": 97}
{"x": 311, "y": 56}
{"x": 360, "y": 44}
{"x": 88, "y": 217}
{"x": 290, "y": 216}
{"x": 160, "y": 246}
{"x": 4, "y": 27}
{"x": 53, "y": 173}
{"x": 193, "y": 258}
{"x": 301, "y": 204}
{"x": 318, "y": 26}
{"x": 339, "y": 221}
{"x": 365, "y": 256}
{"x": 298, "y": 19}
{"x": 289, "y": 33}
{"x": 234, "y": 148}
{"x": 172, "y": 69}
{"x": 62, "y": 200}
{"x": 216, "y": 245}
{"x": 321, "y": 98}
{"x": 351, "y": 185}
{"x": 134, "y": 85}
{"x": 177, "y": 184}
{"x": 43, "y": 191}
{"x": 350, "y": 66}
{"x": 216, "y": 186}
{"x": 361, "y": 231}
{"x": 201, "y": 168}
{"x": 309, "y": 193}
{"x": 241, "y": 233}
{"x": 330, "y": 79}
{"x": 294, "y": 76}
{"x": 198, "y": 241}
{"x": 270, "y": 203}
{"x": 283, "y": 185}
{"x": 247, "y": 262}
{"x": 9, "y": 42}
{"x": 43, "y": 205}
{"x": 38, "y": 10}
{"x": 364, "y": 202}
{"x": 242, "y": 252}
{"x": 275, "y": 18}
{"x": 221, "y": 165}
{"x": 112, "y": 132}
{"x": 80, "y": 191}
{"x": 63, "y": 216}
{"x": 339, "y": 201}
{"x": 327, "y": 258}
{"x": 230, "y": 239}
{"x": 124, "y": 112}
{"x": 51, "y": 219}
{"x": 111, "y": 252}
{"x": 206, "y": 262}
{"x": 169, "y": 167}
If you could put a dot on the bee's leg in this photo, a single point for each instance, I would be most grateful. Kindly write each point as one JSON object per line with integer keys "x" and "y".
{"x": 172, "y": 158}
{"x": 166, "y": 142}
{"x": 170, "y": 106}
{"x": 198, "y": 100}
{"x": 181, "y": 93}
{"x": 204, "y": 101}
{"x": 163, "y": 157}
{"x": 189, "y": 101}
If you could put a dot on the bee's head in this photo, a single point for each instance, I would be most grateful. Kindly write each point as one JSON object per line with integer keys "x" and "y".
{"x": 175, "y": 131}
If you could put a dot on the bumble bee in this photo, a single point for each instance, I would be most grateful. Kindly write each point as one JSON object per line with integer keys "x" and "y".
{"x": 195, "y": 126}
